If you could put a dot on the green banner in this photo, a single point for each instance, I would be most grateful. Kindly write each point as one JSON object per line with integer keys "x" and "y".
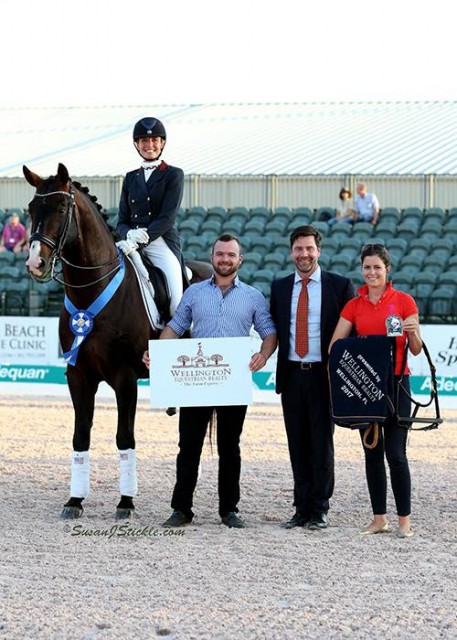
{"x": 32, "y": 373}
{"x": 420, "y": 385}
{"x": 263, "y": 380}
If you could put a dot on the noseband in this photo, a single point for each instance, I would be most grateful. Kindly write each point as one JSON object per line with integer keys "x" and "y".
{"x": 57, "y": 246}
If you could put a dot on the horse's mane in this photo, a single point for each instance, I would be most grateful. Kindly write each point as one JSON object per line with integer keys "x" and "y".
{"x": 85, "y": 190}
{"x": 98, "y": 206}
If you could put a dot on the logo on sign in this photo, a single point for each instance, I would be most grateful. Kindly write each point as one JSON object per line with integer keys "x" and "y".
{"x": 201, "y": 369}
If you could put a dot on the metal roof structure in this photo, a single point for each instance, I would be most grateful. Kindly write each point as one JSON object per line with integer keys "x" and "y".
{"x": 319, "y": 138}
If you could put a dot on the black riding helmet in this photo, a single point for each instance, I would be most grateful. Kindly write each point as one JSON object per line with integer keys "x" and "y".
{"x": 149, "y": 127}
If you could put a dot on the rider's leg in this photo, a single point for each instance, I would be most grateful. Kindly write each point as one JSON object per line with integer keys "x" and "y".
{"x": 163, "y": 257}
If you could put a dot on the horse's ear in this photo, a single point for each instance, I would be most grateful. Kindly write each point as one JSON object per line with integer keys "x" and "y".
{"x": 32, "y": 178}
{"x": 62, "y": 173}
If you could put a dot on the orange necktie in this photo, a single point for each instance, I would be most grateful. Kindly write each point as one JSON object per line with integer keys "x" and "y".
{"x": 301, "y": 326}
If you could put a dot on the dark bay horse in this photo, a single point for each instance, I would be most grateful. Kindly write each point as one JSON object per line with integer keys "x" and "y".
{"x": 103, "y": 328}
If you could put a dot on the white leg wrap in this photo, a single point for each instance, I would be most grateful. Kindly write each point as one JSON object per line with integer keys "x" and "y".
{"x": 80, "y": 468}
{"x": 128, "y": 481}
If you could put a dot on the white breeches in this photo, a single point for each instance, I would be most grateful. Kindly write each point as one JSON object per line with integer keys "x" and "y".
{"x": 163, "y": 257}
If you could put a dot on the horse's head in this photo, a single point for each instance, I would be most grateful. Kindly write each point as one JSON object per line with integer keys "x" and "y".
{"x": 51, "y": 212}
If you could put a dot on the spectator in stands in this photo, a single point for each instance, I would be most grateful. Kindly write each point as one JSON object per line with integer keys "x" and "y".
{"x": 149, "y": 204}
{"x": 367, "y": 314}
{"x": 220, "y": 307}
{"x": 305, "y": 307}
{"x": 345, "y": 211}
{"x": 367, "y": 205}
{"x": 14, "y": 236}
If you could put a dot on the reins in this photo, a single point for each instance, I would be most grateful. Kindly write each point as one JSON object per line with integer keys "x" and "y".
{"x": 429, "y": 423}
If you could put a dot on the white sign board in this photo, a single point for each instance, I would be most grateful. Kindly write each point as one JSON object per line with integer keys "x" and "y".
{"x": 200, "y": 372}
{"x": 29, "y": 340}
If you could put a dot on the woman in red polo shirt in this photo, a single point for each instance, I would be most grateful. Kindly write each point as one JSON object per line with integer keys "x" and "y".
{"x": 367, "y": 313}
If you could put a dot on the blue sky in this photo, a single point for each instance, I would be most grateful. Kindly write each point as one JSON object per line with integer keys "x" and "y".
{"x": 144, "y": 52}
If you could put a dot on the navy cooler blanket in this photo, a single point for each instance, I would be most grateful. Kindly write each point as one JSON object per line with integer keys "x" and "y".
{"x": 361, "y": 377}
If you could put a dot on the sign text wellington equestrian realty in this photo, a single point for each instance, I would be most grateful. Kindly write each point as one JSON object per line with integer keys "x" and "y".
{"x": 359, "y": 378}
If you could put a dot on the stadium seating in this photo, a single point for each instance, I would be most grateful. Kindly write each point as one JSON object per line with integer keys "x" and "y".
{"x": 452, "y": 263}
{"x": 233, "y": 226}
{"x": 408, "y": 228}
{"x": 390, "y": 213}
{"x": 212, "y": 227}
{"x": 241, "y": 212}
{"x": 362, "y": 231}
{"x": 256, "y": 225}
{"x": 324, "y": 213}
{"x": 356, "y": 276}
{"x": 422, "y": 244}
{"x": 262, "y": 245}
{"x": 303, "y": 213}
{"x": 215, "y": 213}
{"x": 412, "y": 263}
{"x": 331, "y": 244}
{"x": 6, "y": 257}
{"x": 412, "y": 213}
{"x": 442, "y": 304}
{"x": 342, "y": 263}
{"x": 337, "y": 230}
{"x": 398, "y": 246}
{"x": 14, "y": 297}
{"x": 189, "y": 226}
{"x": 386, "y": 228}
{"x": 283, "y": 213}
{"x": 281, "y": 244}
{"x": 274, "y": 260}
{"x": 276, "y": 226}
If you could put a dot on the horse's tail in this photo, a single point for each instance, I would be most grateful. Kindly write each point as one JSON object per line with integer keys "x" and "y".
{"x": 212, "y": 425}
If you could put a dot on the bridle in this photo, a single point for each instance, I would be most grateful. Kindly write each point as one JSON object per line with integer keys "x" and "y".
{"x": 58, "y": 246}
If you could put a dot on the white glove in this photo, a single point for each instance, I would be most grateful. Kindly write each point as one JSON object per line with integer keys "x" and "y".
{"x": 126, "y": 246}
{"x": 140, "y": 236}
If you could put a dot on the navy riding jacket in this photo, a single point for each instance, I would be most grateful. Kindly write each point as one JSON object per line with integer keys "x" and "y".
{"x": 152, "y": 204}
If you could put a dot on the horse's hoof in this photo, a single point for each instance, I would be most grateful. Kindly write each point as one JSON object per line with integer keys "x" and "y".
{"x": 71, "y": 513}
{"x": 125, "y": 514}
{"x": 171, "y": 411}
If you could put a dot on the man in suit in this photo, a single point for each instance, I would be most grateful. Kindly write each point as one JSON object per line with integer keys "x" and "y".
{"x": 302, "y": 379}
{"x": 149, "y": 204}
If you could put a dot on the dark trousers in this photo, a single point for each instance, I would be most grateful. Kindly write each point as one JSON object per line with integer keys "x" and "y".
{"x": 193, "y": 424}
{"x": 392, "y": 445}
{"x": 309, "y": 427}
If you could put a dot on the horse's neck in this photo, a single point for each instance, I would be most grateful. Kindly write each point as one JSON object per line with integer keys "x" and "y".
{"x": 89, "y": 257}
{"x": 92, "y": 245}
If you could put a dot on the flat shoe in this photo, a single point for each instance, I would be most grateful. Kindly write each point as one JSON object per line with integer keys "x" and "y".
{"x": 370, "y": 530}
{"x": 232, "y": 521}
{"x": 405, "y": 533}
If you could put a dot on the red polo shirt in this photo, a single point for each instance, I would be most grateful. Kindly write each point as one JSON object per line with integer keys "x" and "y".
{"x": 370, "y": 319}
